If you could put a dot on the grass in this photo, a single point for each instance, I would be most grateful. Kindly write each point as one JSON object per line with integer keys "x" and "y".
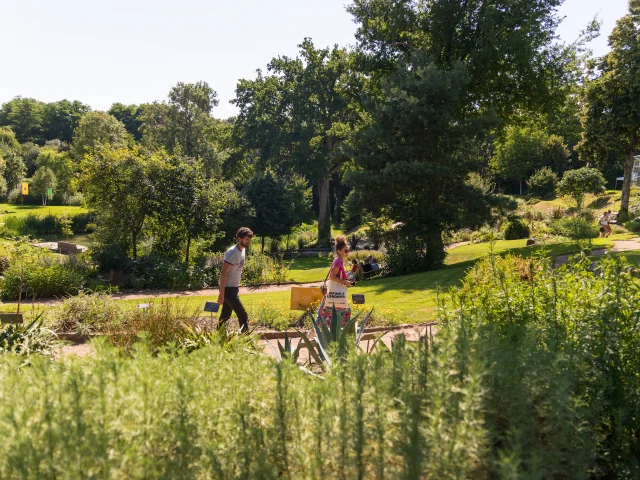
{"x": 8, "y": 210}
{"x": 309, "y": 269}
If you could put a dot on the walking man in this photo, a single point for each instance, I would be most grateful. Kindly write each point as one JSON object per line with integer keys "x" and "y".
{"x": 230, "y": 280}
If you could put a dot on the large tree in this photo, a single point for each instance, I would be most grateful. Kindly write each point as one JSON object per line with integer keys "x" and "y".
{"x": 119, "y": 186}
{"x": 301, "y": 116}
{"x": 25, "y": 116}
{"x": 96, "y": 129}
{"x": 279, "y": 203}
{"x": 61, "y": 118}
{"x": 188, "y": 205}
{"x": 611, "y": 101}
{"x": 14, "y": 167}
{"x": 184, "y": 125}
{"x": 130, "y": 116}
{"x": 441, "y": 73}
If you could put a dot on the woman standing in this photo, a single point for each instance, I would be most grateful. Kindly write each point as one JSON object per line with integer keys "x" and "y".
{"x": 337, "y": 287}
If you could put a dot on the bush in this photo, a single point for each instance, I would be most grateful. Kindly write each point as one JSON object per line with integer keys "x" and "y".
{"x": 633, "y": 225}
{"x": 563, "y": 364}
{"x": 515, "y": 229}
{"x": 26, "y": 339}
{"x": 577, "y": 183}
{"x": 575, "y": 228}
{"x": 484, "y": 234}
{"x": 407, "y": 257}
{"x": 262, "y": 269}
{"x": 86, "y": 314}
{"x": 543, "y": 182}
{"x": 33, "y": 224}
{"x": 556, "y": 213}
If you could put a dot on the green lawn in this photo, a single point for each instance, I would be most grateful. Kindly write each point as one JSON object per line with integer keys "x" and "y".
{"x": 309, "y": 269}
{"x": 8, "y": 210}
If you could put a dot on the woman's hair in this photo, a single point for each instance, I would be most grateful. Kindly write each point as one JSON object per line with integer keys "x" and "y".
{"x": 341, "y": 242}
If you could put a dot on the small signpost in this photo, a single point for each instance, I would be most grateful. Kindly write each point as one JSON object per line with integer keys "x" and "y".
{"x": 25, "y": 188}
{"x": 142, "y": 306}
{"x": 211, "y": 307}
{"x": 357, "y": 299}
{"x": 15, "y": 318}
{"x": 50, "y": 193}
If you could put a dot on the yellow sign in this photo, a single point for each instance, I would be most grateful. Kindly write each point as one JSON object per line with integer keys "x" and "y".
{"x": 25, "y": 188}
{"x": 305, "y": 297}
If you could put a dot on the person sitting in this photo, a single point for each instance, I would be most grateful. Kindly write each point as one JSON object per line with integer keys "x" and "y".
{"x": 366, "y": 268}
{"x": 354, "y": 272}
{"x": 374, "y": 265}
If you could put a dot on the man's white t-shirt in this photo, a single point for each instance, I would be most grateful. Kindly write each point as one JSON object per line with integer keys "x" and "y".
{"x": 235, "y": 257}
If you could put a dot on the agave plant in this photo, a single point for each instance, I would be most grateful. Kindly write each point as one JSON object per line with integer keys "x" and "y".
{"x": 286, "y": 350}
{"x": 27, "y": 339}
{"x": 334, "y": 338}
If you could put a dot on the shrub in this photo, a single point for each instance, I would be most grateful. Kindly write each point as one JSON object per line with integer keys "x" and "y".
{"x": 33, "y": 224}
{"x": 86, "y": 314}
{"x": 163, "y": 324}
{"x": 556, "y": 213}
{"x": 577, "y": 183}
{"x": 543, "y": 181}
{"x": 515, "y": 229}
{"x": 262, "y": 269}
{"x": 575, "y": 228}
{"x": 633, "y": 225}
{"x": 484, "y": 234}
{"x": 26, "y": 339}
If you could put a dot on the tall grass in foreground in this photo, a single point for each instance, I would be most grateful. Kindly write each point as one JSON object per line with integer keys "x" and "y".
{"x": 534, "y": 374}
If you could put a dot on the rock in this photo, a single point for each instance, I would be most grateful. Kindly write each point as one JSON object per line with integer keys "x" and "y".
{"x": 531, "y": 241}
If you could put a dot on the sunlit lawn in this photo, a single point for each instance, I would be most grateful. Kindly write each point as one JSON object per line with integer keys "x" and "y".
{"x": 8, "y": 210}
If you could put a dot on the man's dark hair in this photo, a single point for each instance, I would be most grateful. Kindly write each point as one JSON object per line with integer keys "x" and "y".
{"x": 244, "y": 232}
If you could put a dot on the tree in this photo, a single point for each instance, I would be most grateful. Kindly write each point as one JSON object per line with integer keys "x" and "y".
{"x": 300, "y": 118}
{"x": 577, "y": 183}
{"x": 439, "y": 76}
{"x": 60, "y": 119}
{"x": 187, "y": 204}
{"x": 62, "y": 167}
{"x": 29, "y": 152}
{"x": 15, "y": 169}
{"x": 521, "y": 151}
{"x": 119, "y": 186}
{"x": 184, "y": 125}
{"x": 611, "y": 101}
{"x": 279, "y": 203}
{"x": 130, "y": 116}
{"x": 43, "y": 180}
{"x": 25, "y": 116}
{"x": 95, "y": 129}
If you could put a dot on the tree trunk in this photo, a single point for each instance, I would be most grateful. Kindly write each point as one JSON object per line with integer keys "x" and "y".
{"x": 626, "y": 182}
{"x": 188, "y": 246}
{"x": 520, "y": 187}
{"x": 435, "y": 248}
{"x": 262, "y": 251}
{"x": 324, "y": 217}
{"x": 134, "y": 241}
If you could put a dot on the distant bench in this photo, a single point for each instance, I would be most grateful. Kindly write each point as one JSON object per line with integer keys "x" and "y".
{"x": 69, "y": 248}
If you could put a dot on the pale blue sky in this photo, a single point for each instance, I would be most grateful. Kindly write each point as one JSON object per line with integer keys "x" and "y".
{"x": 134, "y": 51}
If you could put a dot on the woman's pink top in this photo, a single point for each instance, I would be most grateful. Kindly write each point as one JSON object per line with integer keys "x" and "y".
{"x": 340, "y": 264}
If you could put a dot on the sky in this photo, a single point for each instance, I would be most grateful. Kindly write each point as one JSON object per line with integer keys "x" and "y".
{"x": 134, "y": 51}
